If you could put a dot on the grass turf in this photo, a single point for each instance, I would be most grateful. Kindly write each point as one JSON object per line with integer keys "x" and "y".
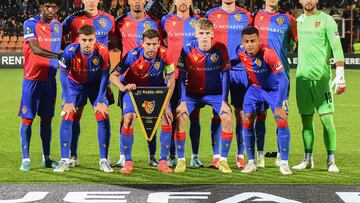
{"x": 348, "y": 139}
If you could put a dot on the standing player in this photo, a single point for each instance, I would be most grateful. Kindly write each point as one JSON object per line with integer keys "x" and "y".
{"x": 129, "y": 28}
{"x": 104, "y": 25}
{"x": 145, "y": 65}
{"x": 179, "y": 29}
{"x": 229, "y": 21}
{"x": 318, "y": 35}
{"x": 205, "y": 67}
{"x": 269, "y": 84}
{"x": 84, "y": 74}
{"x": 277, "y": 29}
{"x": 42, "y": 35}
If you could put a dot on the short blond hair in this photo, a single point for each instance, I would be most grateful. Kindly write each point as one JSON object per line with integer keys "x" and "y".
{"x": 204, "y": 24}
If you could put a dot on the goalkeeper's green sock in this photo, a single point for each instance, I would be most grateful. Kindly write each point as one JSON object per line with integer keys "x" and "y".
{"x": 308, "y": 134}
{"x": 329, "y": 134}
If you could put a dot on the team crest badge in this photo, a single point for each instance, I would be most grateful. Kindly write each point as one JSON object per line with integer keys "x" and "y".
{"x": 147, "y": 25}
{"x": 148, "y": 106}
{"x": 317, "y": 24}
{"x": 157, "y": 65}
{"x": 102, "y": 22}
{"x": 258, "y": 62}
{"x": 24, "y": 109}
{"x": 218, "y": 15}
{"x": 95, "y": 61}
{"x": 214, "y": 58}
{"x": 56, "y": 28}
{"x": 280, "y": 20}
{"x": 238, "y": 17}
{"x": 71, "y": 49}
{"x": 193, "y": 23}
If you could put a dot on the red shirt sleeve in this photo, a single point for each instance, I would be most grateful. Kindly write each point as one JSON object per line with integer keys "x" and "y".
{"x": 272, "y": 59}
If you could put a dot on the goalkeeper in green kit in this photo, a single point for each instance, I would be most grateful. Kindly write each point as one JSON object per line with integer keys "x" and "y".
{"x": 318, "y": 36}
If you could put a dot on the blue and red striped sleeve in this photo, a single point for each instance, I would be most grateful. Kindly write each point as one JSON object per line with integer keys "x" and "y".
{"x": 29, "y": 29}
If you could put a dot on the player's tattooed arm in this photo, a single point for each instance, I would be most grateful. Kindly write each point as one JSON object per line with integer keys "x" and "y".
{"x": 35, "y": 47}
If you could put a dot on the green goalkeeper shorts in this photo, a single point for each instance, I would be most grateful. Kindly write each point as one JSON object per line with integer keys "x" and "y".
{"x": 314, "y": 95}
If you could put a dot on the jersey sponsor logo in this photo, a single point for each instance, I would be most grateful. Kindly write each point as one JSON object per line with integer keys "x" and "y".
{"x": 214, "y": 57}
{"x": 271, "y": 29}
{"x": 56, "y": 28}
{"x": 24, "y": 109}
{"x": 258, "y": 62}
{"x": 280, "y": 20}
{"x": 95, "y": 61}
{"x": 181, "y": 34}
{"x": 317, "y": 24}
{"x": 238, "y": 17}
{"x": 148, "y": 106}
{"x": 47, "y": 39}
{"x": 102, "y": 22}
{"x": 157, "y": 65}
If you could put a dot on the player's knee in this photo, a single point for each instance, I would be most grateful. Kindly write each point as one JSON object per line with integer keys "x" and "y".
{"x": 261, "y": 117}
{"x": 69, "y": 117}
{"x": 100, "y": 117}
{"x": 181, "y": 119}
{"x": 226, "y": 122}
{"x": 280, "y": 123}
{"x": 129, "y": 120}
{"x": 26, "y": 121}
{"x": 46, "y": 121}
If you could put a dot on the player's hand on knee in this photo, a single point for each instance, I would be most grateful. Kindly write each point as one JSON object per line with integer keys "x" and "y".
{"x": 181, "y": 109}
{"x": 68, "y": 108}
{"x": 338, "y": 84}
{"x": 102, "y": 108}
{"x": 168, "y": 115}
{"x": 280, "y": 112}
{"x": 225, "y": 108}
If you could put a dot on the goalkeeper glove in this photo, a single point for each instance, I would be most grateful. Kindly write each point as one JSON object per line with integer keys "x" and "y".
{"x": 338, "y": 84}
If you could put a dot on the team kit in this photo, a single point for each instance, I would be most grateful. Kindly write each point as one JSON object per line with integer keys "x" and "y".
{"x": 201, "y": 60}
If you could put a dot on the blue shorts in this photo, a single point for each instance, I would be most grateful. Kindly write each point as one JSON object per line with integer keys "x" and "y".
{"x": 80, "y": 93}
{"x": 194, "y": 101}
{"x": 127, "y": 105}
{"x": 256, "y": 99}
{"x": 38, "y": 97}
{"x": 238, "y": 85}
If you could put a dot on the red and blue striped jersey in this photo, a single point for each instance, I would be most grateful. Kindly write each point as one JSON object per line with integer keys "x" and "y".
{"x": 262, "y": 68}
{"x": 137, "y": 69}
{"x": 276, "y": 30}
{"x": 103, "y": 23}
{"x": 228, "y": 28}
{"x": 85, "y": 68}
{"x": 49, "y": 37}
{"x": 204, "y": 69}
{"x": 178, "y": 32}
{"x": 130, "y": 30}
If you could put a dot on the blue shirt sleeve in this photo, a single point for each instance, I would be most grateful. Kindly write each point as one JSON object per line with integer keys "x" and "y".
{"x": 29, "y": 29}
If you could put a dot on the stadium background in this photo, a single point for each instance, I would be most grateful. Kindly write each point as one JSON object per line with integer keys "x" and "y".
{"x": 14, "y": 12}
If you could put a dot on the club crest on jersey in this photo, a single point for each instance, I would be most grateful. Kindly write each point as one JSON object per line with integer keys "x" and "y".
{"x": 148, "y": 106}
{"x": 280, "y": 20}
{"x": 147, "y": 25}
{"x": 71, "y": 49}
{"x": 56, "y": 28}
{"x": 102, "y": 22}
{"x": 157, "y": 65}
{"x": 214, "y": 58}
{"x": 258, "y": 62}
{"x": 193, "y": 23}
{"x": 24, "y": 109}
{"x": 238, "y": 17}
{"x": 95, "y": 61}
{"x": 317, "y": 23}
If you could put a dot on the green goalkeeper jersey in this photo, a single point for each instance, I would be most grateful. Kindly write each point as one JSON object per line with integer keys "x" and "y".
{"x": 318, "y": 35}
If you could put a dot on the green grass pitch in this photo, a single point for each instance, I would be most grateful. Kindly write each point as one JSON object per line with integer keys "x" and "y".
{"x": 347, "y": 156}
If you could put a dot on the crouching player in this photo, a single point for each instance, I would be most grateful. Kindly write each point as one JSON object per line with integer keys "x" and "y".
{"x": 145, "y": 65}
{"x": 269, "y": 85}
{"x": 84, "y": 73}
{"x": 205, "y": 67}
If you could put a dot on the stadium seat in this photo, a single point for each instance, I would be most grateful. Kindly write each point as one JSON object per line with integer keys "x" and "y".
{"x": 5, "y": 39}
{"x": 11, "y": 46}
{"x": 13, "y": 38}
{"x": 21, "y": 39}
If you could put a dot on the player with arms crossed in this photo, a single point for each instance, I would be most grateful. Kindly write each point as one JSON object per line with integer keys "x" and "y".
{"x": 179, "y": 29}
{"x": 42, "y": 35}
{"x": 145, "y": 65}
{"x": 206, "y": 67}
{"x": 229, "y": 21}
{"x": 84, "y": 73}
{"x": 104, "y": 25}
{"x": 277, "y": 29}
{"x": 129, "y": 28}
{"x": 269, "y": 84}
{"x": 318, "y": 35}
